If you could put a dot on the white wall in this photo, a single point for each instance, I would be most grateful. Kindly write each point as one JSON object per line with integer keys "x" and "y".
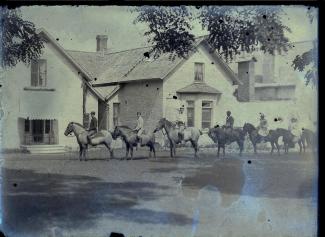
{"x": 63, "y": 104}
{"x": 305, "y": 103}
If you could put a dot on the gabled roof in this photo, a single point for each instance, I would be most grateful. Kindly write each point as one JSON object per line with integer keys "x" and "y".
{"x": 124, "y": 66}
{"x": 112, "y": 68}
{"x": 86, "y": 77}
{"x": 198, "y": 88}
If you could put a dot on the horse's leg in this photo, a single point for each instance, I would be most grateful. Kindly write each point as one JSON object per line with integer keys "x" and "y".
{"x": 254, "y": 145}
{"x": 110, "y": 151}
{"x": 224, "y": 149}
{"x": 174, "y": 149}
{"x": 241, "y": 147}
{"x": 84, "y": 152}
{"x": 171, "y": 149}
{"x": 154, "y": 150}
{"x": 218, "y": 149}
{"x": 277, "y": 146}
{"x": 126, "y": 151}
{"x": 272, "y": 144}
{"x": 150, "y": 150}
{"x": 80, "y": 152}
{"x": 194, "y": 144}
{"x": 300, "y": 147}
{"x": 131, "y": 152}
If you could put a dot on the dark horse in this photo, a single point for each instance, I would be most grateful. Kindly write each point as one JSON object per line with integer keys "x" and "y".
{"x": 129, "y": 136}
{"x": 102, "y": 137}
{"x": 272, "y": 137}
{"x": 191, "y": 134}
{"x": 222, "y": 137}
{"x": 309, "y": 138}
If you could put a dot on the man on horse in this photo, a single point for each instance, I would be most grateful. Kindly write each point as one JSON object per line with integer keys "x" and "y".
{"x": 139, "y": 127}
{"x": 263, "y": 127}
{"x": 294, "y": 129}
{"x": 180, "y": 122}
{"x": 229, "y": 124}
{"x": 92, "y": 126}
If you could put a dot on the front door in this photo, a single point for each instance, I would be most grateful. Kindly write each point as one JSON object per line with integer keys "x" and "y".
{"x": 38, "y": 131}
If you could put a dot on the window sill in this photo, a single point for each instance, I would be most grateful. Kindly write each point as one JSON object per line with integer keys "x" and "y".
{"x": 31, "y": 88}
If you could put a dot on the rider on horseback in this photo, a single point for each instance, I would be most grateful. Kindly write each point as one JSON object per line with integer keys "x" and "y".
{"x": 294, "y": 129}
{"x": 180, "y": 122}
{"x": 263, "y": 127}
{"x": 92, "y": 126}
{"x": 229, "y": 124}
{"x": 139, "y": 127}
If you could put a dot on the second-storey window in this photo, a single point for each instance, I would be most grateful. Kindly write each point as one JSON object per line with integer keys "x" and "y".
{"x": 198, "y": 71}
{"x": 39, "y": 74}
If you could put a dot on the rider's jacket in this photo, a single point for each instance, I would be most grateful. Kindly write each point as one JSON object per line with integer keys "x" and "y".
{"x": 93, "y": 124}
{"x": 229, "y": 122}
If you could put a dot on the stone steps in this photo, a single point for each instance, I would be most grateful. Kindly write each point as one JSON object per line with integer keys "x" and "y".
{"x": 43, "y": 149}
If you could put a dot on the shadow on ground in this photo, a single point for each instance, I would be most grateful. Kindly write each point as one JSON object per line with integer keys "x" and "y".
{"x": 34, "y": 202}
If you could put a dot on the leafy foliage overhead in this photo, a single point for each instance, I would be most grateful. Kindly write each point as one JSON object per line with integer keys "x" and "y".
{"x": 307, "y": 60}
{"x": 169, "y": 29}
{"x": 231, "y": 30}
{"x": 19, "y": 39}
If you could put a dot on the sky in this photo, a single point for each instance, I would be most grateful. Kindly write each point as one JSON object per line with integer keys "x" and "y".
{"x": 77, "y": 27}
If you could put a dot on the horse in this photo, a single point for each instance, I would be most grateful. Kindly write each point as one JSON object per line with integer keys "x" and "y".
{"x": 222, "y": 137}
{"x": 191, "y": 134}
{"x": 272, "y": 137}
{"x": 309, "y": 137}
{"x": 102, "y": 137}
{"x": 289, "y": 141}
{"x": 129, "y": 136}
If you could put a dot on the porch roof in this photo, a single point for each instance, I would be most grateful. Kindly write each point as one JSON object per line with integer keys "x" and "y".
{"x": 198, "y": 88}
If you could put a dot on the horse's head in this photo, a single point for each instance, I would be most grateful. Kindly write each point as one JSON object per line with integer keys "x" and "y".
{"x": 248, "y": 128}
{"x": 213, "y": 133}
{"x": 160, "y": 125}
{"x": 69, "y": 129}
{"x": 116, "y": 133}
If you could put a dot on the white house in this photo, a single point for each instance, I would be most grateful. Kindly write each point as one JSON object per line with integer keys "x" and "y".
{"x": 65, "y": 85}
{"x": 39, "y": 101}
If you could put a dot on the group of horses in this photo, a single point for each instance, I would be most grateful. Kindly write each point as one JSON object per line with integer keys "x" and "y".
{"x": 219, "y": 135}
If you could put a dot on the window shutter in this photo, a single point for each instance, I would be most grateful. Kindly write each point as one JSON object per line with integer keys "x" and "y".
{"x": 34, "y": 73}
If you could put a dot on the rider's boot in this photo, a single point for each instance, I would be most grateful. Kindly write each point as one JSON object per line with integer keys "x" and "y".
{"x": 88, "y": 139}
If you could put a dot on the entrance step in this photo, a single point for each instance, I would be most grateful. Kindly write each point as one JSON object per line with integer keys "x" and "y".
{"x": 43, "y": 149}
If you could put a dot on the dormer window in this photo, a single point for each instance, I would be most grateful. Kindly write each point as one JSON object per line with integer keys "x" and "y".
{"x": 198, "y": 71}
{"x": 38, "y": 73}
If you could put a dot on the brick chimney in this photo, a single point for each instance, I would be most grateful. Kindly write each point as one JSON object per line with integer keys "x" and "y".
{"x": 101, "y": 42}
{"x": 246, "y": 73}
{"x": 268, "y": 68}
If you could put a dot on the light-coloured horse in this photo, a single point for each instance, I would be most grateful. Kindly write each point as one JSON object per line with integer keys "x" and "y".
{"x": 191, "y": 134}
{"x": 129, "y": 136}
{"x": 102, "y": 137}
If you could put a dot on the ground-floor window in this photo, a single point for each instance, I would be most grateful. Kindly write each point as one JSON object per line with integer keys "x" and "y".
{"x": 41, "y": 131}
{"x": 116, "y": 114}
{"x": 190, "y": 113}
{"x": 206, "y": 114}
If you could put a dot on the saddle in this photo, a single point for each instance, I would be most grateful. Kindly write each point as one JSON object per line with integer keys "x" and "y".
{"x": 95, "y": 135}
